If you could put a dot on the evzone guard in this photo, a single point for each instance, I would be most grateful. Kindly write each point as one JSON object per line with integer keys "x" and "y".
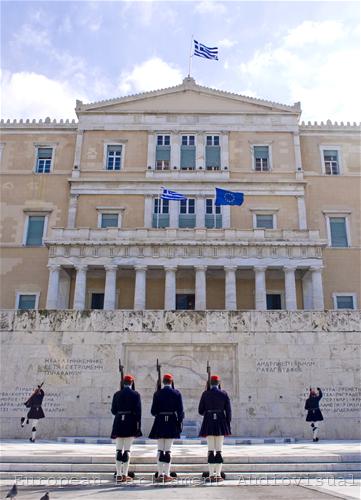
{"x": 127, "y": 410}
{"x": 215, "y": 407}
{"x": 35, "y": 412}
{"x": 314, "y": 414}
{"x": 167, "y": 408}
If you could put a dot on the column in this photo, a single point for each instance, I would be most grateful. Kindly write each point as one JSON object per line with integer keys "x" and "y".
{"x": 170, "y": 287}
{"x": 302, "y": 218}
{"x": 230, "y": 288}
{"x": 140, "y": 287}
{"x": 297, "y": 148}
{"x": 290, "y": 288}
{"x": 72, "y": 209}
{"x": 226, "y": 216}
{"x": 80, "y": 287}
{"x": 200, "y": 211}
{"x": 174, "y": 213}
{"x": 200, "y": 152}
{"x": 260, "y": 288}
{"x": 77, "y": 154}
{"x": 53, "y": 287}
{"x": 200, "y": 302}
{"x": 148, "y": 211}
{"x": 110, "y": 287}
{"x": 175, "y": 151}
{"x": 151, "y": 151}
{"x": 317, "y": 288}
{"x": 224, "y": 151}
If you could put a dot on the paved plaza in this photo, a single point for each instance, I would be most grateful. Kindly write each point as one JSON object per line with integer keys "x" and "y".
{"x": 301, "y": 470}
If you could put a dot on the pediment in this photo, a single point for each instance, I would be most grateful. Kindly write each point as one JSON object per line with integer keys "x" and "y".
{"x": 187, "y": 98}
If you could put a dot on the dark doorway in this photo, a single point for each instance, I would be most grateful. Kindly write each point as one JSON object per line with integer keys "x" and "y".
{"x": 97, "y": 301}
{"x": 274, "y": 301}
{"x": 185, "y": 301}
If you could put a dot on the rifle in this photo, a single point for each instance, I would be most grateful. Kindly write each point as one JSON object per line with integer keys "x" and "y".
{"x": 159, "y": 380}
{"x": 208, "y": 385}
{"x": 121, "y": 371}
{"x": 37, "y": 390}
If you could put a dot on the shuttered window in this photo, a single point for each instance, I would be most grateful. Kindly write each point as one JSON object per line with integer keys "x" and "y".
{"x": 27, "y": 301}
{"x": 264, "y": 221}
{"x": 345, "y": 302}
{"x": 188, "y": 153}
{"x": 338, "y": 232}
{"x": 162, "y": 153}
{"x": 109, "y": 220}
{"x": 35, "y": 230}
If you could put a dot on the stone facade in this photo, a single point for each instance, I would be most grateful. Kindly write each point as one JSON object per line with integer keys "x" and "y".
{"x": 267, "y": 361}
{"x": 239, "y": 265}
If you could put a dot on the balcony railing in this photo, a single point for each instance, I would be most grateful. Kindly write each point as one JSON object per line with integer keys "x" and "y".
{"x": 65, "y": 235}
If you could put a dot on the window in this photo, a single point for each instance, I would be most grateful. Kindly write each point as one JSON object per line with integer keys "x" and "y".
{"x": 213, "y": 153}
{"x": 44, "y": 157}
{"x": 264, "y": 221}
{"x": 261, "y": 158}
{"x": 344, "y": 300}
{"x": 109, "y": 220}
{"x": 27, "y": 301}
{"x": 338, "y": 232}
{"x": 35, "y": 230}
{"x": 331, "y": 160}
{"x": 187, "y": 216}
{"x": 188, "y": 152}
{"x": 160, "y": 213}
{"x": 162, "y": 155}
{"x": 274, "y": 301}
{"x": 114, "y": 157}
{"x": 213, "y": 216}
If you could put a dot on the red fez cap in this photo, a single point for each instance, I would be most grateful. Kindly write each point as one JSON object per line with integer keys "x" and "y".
{"x": 128, "y": 378}
{"x": 215, "y": 378}
{"x": 168, "y": 376}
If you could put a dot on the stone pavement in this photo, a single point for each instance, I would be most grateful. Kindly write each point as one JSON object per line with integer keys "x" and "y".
{"x": 303, "y": 470}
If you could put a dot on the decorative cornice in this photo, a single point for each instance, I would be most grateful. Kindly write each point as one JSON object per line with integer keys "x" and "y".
{"x": 34, "y": 124}
{"x": 329, "y": 125}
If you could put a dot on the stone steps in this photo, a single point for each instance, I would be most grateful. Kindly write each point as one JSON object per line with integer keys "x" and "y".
{"x": 184, "y": 440}
{"x": 305, "y": 467}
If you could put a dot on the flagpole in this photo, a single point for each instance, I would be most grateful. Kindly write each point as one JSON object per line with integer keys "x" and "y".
{"x": 158, "y": 211}
{"x": 190, "y": 57}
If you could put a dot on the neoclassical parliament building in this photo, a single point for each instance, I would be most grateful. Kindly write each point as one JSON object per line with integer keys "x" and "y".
{"x": 83, "y": 225}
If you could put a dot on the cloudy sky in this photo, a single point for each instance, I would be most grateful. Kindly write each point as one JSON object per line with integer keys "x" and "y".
{"x": 56, "y": 52}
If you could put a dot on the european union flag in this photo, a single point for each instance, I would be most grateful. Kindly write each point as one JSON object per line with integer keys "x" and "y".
{"x": 224, "y": 197}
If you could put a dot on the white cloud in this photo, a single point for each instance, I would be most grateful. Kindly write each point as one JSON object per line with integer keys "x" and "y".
{"x": 227, "y": 43}
{"x": 326, "y": 81}
{"x": 150, "y": 75}
{"x": 313, "y": 32}
{"x": 32, "y": 95}
{"x": 210, "y": 7}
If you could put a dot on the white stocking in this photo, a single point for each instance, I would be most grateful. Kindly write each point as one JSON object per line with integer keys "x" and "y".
{"x": 34, "y": 423}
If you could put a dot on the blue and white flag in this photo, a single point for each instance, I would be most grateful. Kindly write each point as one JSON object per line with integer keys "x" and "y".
{"x": 167, "y": 194}
{"x": 201, "y": 50}
{"x": 224, "y": 197}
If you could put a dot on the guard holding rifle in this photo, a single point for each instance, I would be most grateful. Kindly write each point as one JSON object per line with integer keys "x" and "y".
{"x": 215, "y": 407}
{"x": 36, "y": 412}
{"x": 167, "y": 408}
{"x": 126, "y": 407}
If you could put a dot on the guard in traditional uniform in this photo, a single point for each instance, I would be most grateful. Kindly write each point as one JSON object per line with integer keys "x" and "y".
{"x": 127, "y": 409}
{"x": 314, "y": 414}
{"x": 35, "y": 413}
{"x": 215, "y": 407}
{"x": 167, "y": 408}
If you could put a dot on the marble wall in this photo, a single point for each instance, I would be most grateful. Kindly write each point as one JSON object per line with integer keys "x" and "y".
{"x": 267, "y": 361}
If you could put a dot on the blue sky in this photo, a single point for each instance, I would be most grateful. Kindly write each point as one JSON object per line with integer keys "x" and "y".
{"x": 56, "y": 52}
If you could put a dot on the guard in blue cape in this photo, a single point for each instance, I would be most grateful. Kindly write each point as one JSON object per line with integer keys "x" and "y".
{"x": 127, "y": 409}
{"x": 314, "y": 414}
{"x": 167, "y": 408}
{"x": 35, "y": 412}
{"x": 215, "y": 407}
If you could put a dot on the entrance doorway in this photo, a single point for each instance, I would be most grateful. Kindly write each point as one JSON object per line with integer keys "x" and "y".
{"x": 185, "y": 301}
{"x": 274, "y": 301}
{"x": 97, "y": 301}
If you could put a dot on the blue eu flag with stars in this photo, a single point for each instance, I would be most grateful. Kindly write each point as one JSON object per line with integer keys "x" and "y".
{"x": 224, "y": 197}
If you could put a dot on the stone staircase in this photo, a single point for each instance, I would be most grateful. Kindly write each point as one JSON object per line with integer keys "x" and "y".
{"x": 96, "y": 462}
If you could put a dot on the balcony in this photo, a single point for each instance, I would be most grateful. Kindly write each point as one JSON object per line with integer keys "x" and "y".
{"x": 198, "y": 174}
{"x": 113, "y": 235}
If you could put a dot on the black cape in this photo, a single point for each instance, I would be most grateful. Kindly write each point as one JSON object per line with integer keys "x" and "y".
{"x": 167, "y": 408}
{"x": 34, "y": 403}
{"x": 127, "y": 409}
{"x": 312, "y": 405}
{"x": 215, "y": 406}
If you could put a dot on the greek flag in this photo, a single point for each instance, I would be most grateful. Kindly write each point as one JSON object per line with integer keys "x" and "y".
{"x": 167, "y": 194}
{"x": 204, "y": 51}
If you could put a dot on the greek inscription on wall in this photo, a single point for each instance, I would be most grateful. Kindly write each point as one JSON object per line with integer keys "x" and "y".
{"x": 340, "y": 399}
{"x": 14, "y": 399}
{"x": 283, "y": 366}
{"x": 72, "y": 366}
